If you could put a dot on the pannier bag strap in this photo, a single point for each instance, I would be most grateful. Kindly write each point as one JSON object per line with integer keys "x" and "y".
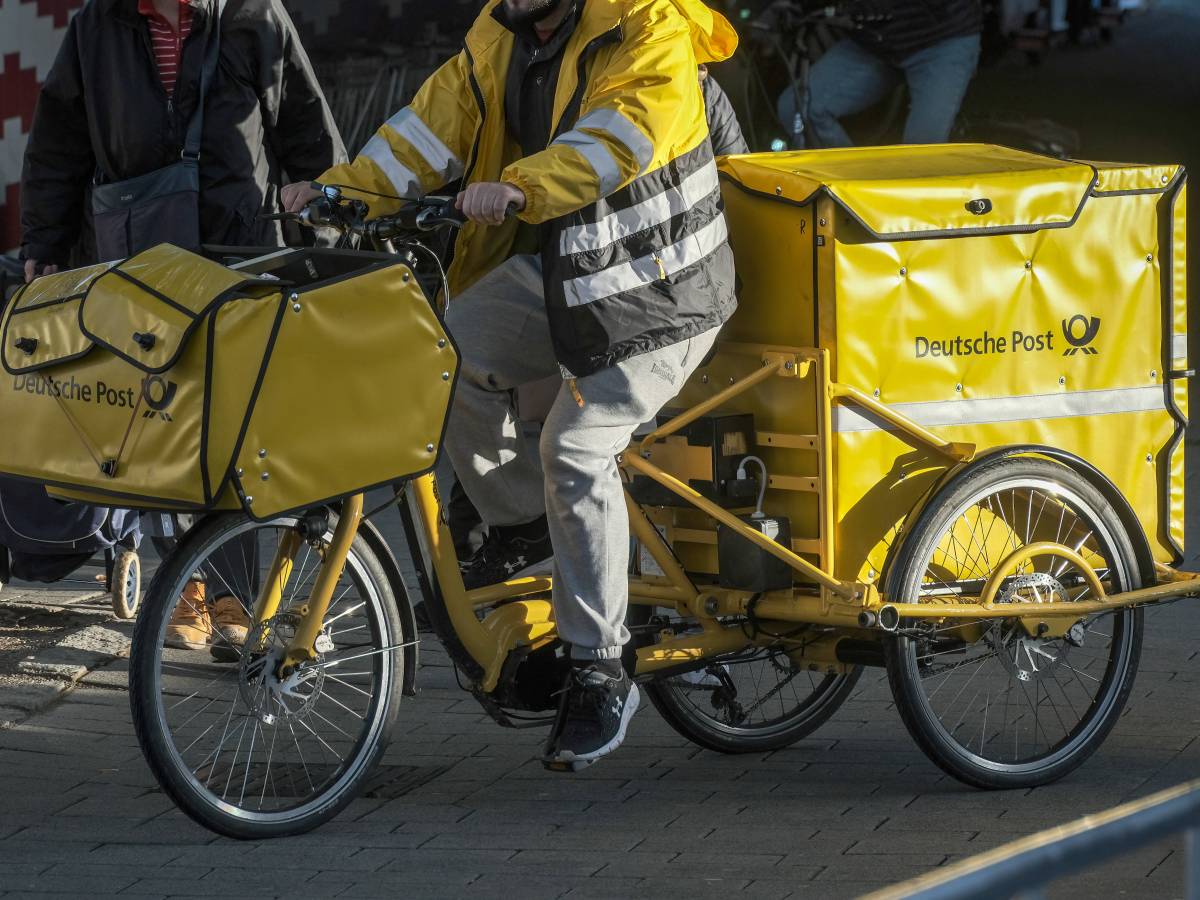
{"x": 212, "y": 52}
{"x": 82, "y": 435}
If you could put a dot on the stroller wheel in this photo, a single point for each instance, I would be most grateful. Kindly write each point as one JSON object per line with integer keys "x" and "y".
{"x": 125, "y": 584}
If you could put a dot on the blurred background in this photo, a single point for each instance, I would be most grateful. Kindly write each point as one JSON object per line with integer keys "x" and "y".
{"x": 1091, "y": 79}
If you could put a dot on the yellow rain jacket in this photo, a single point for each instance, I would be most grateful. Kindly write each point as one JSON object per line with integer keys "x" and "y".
{"x": 635, "y": 254}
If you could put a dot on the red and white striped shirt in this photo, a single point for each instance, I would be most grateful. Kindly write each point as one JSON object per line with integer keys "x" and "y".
{"x": 166, "y": 41}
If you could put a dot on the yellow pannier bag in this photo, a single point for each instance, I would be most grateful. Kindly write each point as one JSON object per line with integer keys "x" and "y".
{"x": 171, "y": 381}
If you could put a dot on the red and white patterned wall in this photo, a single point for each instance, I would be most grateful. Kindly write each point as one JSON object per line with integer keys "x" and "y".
{"x": 30, "y": 33}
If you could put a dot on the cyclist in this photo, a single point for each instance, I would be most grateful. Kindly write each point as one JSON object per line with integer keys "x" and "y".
{"x": 586, "y": 118}
{"x": 932, "y": 46}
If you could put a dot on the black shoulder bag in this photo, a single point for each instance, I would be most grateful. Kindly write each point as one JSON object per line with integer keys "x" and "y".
{"x": 162, "y": 206}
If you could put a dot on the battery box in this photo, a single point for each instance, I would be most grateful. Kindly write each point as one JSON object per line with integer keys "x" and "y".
{"x": 745, "y": 566}
{"x": 704, "y": 455}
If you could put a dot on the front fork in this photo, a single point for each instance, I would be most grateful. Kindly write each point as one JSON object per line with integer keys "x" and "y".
{"x": 302, "y": 647}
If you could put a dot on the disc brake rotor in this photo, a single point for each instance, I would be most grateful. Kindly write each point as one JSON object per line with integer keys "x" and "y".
{"x": 270, "y": 697}
{"x": 1026, "y": 657}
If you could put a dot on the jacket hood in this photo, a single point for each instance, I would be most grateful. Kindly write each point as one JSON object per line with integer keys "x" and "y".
{"x": 713, "y": 38}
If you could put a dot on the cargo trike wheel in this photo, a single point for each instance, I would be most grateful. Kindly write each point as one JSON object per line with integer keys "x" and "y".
{"x": 245, "y": 745}
{"x": 750, "y": 702}
{"x": 1013, "y": 703}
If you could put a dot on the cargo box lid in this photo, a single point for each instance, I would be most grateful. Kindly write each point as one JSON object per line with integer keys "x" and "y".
{"x": 925, "y": 190}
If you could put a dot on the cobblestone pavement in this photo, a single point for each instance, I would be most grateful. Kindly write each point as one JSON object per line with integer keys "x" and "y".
{"x": 472, "y": 813}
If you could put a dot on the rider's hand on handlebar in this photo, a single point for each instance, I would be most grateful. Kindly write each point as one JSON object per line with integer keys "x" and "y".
{"x": 297, "y": 196}
{"x": 488, "y": 202}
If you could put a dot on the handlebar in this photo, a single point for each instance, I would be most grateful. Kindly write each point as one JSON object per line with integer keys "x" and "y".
{"x": 350, "y": 216}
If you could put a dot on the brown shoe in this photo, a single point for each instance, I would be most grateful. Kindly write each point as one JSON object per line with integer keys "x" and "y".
{"x": 232, "y": 624}
{"x": 191, "y": 626}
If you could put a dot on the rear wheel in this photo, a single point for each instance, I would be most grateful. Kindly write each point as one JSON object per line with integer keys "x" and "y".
{"x": 244, "y": 749}
{"x": 1004, "y": 703}
{"x": 750, "y": 702}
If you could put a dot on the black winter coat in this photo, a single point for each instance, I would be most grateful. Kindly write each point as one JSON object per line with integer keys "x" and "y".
{"x": 103, "y": 113}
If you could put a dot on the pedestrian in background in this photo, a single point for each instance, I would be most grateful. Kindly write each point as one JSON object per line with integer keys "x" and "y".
{"x": 174, "y": 121}
{"x": 117, "y": 106}
{"x": 931, "y": 46}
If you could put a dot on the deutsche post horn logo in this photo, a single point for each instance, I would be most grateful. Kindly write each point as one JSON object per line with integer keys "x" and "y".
{"x": 1079, "y": 342}
{"x": 158, "y": 394}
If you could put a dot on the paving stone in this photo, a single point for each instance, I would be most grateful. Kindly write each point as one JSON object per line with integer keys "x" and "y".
{"x": 31, "y": 697}
{"x": 666, "y": 888}
{"x": 394, "y": 881}
{"x": 77, "y": 886}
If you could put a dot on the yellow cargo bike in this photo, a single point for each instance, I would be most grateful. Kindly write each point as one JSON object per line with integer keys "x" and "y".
{"x": 941, "y": 435}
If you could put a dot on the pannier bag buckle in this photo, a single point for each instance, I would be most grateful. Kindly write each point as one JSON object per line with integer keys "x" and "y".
{"x": 27, "y": 345}
{"x": 143, "y": 339}
{"x": 979, "y": 207}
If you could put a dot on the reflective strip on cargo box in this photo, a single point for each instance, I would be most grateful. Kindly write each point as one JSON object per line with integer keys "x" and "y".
{"x": 1179, "y": 346}
{"x": 1026, "y": 408}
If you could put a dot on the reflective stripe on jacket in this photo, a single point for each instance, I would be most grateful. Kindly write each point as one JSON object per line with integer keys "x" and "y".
{"x": 635, "y": 256}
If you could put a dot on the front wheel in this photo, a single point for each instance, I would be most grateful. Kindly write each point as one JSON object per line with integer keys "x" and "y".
{"x": 1008, "y": 703}
{"x": 245, "y": 749}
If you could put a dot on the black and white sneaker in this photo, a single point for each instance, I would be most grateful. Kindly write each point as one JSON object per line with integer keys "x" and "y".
{"x": 508, "y": 553}
{"x": 593, "y": 714}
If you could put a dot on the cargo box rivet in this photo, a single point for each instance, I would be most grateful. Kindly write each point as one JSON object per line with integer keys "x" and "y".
{"x": 295, "y": 307}
{"x": 445, "y": 376}
{"x": 249, "y": 500}
{"x": 704, "y": 379}
{"x": 778, "y": 190}
{"x": 1164, "y": 179}
{"x": 821, "y": 221}
{"x": 429, "y": 448}
{"x": 239, "y": 473}
{"x": 1153, "y": 374}
{"x": 903, "y": 271}
{"x": 266, "y": 476}
{"x": 404, "y": 278}
{"x": 1029, "y": 263}
{"x": 441, "y": 343}
{"x": 958, "y": 388}
{"x": 294, "y": 297}
{"x": 1149, "y": 257}
{"x": 1149, "y": 457}
{"x": 1062, "y": 379}
{"x": 876, "y": 393}
{"x": 262, "y": 454}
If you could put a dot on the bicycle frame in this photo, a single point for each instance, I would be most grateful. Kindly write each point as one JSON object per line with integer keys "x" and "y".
{"x": 521, "y": 615}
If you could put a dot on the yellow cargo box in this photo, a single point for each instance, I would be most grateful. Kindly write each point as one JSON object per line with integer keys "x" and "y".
{"x": 992, "y": 296}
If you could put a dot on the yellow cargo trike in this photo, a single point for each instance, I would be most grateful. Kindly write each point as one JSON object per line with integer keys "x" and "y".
{"x": 941, "y": 435}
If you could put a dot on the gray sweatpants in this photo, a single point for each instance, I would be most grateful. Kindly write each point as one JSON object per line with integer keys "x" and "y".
{"x": 502, "y": 334}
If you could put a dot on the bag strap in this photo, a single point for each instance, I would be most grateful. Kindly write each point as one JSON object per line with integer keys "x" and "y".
{"x": 212, "y": 53}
